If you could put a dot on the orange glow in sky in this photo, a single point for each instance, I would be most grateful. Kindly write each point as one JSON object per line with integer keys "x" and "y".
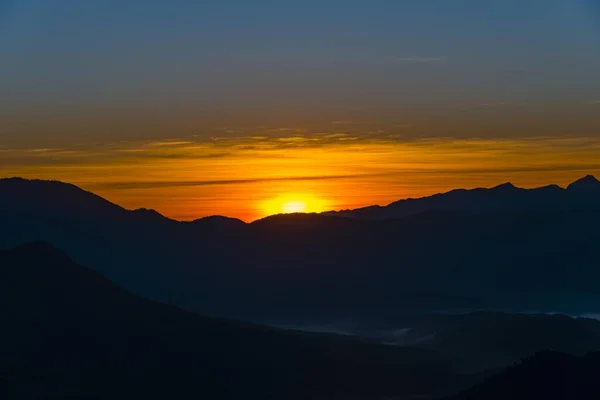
{"x": 252, "y": 177}
{"x": 291, "y": 202}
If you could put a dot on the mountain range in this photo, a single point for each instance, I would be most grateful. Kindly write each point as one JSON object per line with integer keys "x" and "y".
{"x": 580, "y": 195}
{"x": 67, "y": 332}
{"x": 502, "y": 248}
{"x": 428, "y": 298}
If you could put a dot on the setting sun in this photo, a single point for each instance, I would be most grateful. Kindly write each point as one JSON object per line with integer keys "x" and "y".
{"x": 293, "y": 207}
{"x": 294, "y": 203}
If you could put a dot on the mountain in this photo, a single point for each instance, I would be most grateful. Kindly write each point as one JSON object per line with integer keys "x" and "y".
{"x": 543, "y": 376}
{"x": 320, "y": 267}
{"x": 587, "y": 185}
{"x": 583, "y": 194}
{"x": 67, "y": 332}
{"x": 39, "y": 197}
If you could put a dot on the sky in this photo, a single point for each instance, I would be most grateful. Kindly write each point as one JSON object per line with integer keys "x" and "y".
{"x": 239, "y": 107}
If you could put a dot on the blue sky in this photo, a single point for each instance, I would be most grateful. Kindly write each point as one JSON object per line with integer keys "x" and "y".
{"x": 237, "y": 54}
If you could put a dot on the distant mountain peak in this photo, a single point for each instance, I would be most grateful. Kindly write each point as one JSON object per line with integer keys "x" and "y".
{"x": 551, "y": 186}
{"x": 218, "y": 220}
{"x": 505, "y": 186}
{"x": 148, "y": 212}
{"x": 588, "y": 182}
{"x": 55, "y": 194}
{"x": 39, "y": 250}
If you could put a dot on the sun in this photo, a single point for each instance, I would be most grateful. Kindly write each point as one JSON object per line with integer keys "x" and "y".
{"x": 294, "y": 206}
{"x": 293, "y": 202}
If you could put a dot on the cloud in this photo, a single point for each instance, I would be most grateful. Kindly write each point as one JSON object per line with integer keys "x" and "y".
{"x": 169, "y": 143}
{"x": 315, "y": 157}
{"x": 42, "y": 150}
{"x": 286, "y": 130}
{"x": 514, "y": 169}
{"x": 167, "y": 184}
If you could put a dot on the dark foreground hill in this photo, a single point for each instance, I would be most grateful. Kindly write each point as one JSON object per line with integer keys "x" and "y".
{"x": 69, "y": 333}
{"x": 320, "y": 267}
{"x": 544, "y": 376}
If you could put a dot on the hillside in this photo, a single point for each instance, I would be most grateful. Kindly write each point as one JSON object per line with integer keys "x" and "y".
{"x": 70, "y": 333}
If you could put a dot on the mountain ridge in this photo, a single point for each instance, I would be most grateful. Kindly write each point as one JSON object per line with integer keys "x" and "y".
{"x": 586, "y": 185}
{"x": 584, "y": 193}
{"x": 35, "y": 188}
{"x": 323, "y": 266}
{"x": 68, "y": 332}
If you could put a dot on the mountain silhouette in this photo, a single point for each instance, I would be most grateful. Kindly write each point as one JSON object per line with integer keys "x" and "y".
{"x": 586, "y": 185}
{"x": 579, "y": 195}
{"x": 543, "y": 376}
{"x": 67, "y": 200}
{"x": 324, "y": 267}
{"x": 58, "y": 197}
{"x": 67, "y": 332}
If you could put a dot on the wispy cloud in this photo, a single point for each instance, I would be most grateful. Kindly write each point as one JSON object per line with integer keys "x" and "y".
{"x": 235, "y": 148}
{"x": 285, "y": 130}
{"x": 44, "y": 150}
{"x": 586, "y": 166}
{"x": 166, "y": 184}
{"x": 169, "y": 143}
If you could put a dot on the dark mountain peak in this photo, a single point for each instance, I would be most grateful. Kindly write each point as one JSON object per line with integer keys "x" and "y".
{"x": 590, "y": 178}
{"x": 587, "y": 183}
{"x": 549, "y": 188}
{"x": 218, "y": 223}
{"x": 149, "y": 215}
{"x": 37, "y": 258}
{"x": 147, "y": 211}
{"x": 219, "y": 219}
{"x": 17, "y": 182}
{"x": 26, "y": 195}
{"x": 37, "y": 247}
{"x": 38, "y": 252}
{"x": 507, "y": 186}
